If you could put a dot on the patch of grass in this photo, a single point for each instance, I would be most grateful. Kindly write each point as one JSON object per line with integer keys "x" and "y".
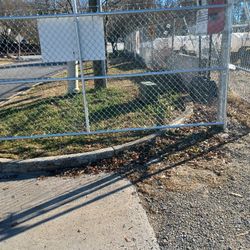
{"x": 26, "y": 149}
{"x": 48, "y": 109}
{"x": 108, "y": 109}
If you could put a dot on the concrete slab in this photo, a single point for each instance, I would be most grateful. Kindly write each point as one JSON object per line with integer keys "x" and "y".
{"x": 87, "y": 212}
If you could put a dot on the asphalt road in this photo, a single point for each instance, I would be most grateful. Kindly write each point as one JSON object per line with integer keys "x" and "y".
{"x": 24, "y": 70}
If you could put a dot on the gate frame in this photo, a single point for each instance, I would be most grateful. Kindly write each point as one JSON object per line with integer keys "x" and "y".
{"x": 223, "y": 69}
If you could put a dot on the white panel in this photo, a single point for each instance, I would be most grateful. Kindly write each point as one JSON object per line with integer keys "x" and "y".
{"x": 58, "y": 39}
{"x": 202, "y": 22}
{"x": 92, "y": 37}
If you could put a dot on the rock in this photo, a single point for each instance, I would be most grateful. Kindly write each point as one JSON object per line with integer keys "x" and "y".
{"x": 148, "y": 91}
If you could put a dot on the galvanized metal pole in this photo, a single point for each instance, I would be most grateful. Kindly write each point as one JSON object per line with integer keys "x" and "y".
{"x": 99, "y": 3}
{"x": 85, "y": 102}
{"x": 173, "y": 34}
{"x": 199, "y": 3}
{"x": 247, "y": 11}
{"x": 19, "y": 49}
{"x": 210, "y": 56}
{"x": 225, "y": 57}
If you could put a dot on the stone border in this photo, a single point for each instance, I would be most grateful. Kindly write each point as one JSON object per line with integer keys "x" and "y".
{"x": 78, "y": 160}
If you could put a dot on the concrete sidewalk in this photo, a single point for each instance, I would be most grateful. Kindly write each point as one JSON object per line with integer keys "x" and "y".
{"x": 87, "y": 212}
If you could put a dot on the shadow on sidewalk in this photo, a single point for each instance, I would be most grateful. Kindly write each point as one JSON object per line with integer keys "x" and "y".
{"x": 12, "y": 225}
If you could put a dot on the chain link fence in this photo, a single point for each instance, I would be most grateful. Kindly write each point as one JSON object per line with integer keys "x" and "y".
{"x": 73, "y": 68}
{"x": 240, "y": 51}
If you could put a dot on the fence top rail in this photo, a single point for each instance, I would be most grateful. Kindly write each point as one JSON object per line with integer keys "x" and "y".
{"x": 190, "y": 125}
{"x": 118, "y": 76}
{"x": 117, "y": 12}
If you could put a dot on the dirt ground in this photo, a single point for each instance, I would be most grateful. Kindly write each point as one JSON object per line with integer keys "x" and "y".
{"x": 203, "y": 200}
{"x": 203, "y": 203}
{"x": 239, "y": 84}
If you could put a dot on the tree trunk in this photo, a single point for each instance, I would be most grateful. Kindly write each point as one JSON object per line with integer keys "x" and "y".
{"x": 99, "y": 66}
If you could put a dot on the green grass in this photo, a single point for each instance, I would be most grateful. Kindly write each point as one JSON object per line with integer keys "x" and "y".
{"x": 110, "y": 108}
{"x": 47, "y": 109}
{"x": 26, "y": 149}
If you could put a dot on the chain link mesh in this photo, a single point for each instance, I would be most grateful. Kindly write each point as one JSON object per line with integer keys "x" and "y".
{"x": 128, "y": 66}
{"x": 240, "y": 51}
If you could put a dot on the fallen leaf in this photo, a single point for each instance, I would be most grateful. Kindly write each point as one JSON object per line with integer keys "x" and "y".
{"x": 236, "y": 195}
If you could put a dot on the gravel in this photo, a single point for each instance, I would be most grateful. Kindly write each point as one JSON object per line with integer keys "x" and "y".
{"x": 206, "y": 218}
{"x": 203, "y": 203}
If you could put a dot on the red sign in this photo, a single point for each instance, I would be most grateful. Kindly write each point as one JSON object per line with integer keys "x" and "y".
{"x": 216, "y": 18}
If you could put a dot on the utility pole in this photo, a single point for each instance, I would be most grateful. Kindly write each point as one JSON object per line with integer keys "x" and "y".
{"x": 99, "y": 66}
{"x": 72, "y": 67}
{"x": 173, "y": 33}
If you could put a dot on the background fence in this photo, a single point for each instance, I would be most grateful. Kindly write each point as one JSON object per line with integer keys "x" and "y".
{"x": 240, "y": 51}
{"x": 84, "y": 67}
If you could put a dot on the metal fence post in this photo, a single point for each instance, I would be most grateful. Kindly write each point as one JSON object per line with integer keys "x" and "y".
{"x": 225, "y": 57}
{"x": 86, "y": 111}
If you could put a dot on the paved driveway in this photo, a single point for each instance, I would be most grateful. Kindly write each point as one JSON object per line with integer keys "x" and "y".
{"x": 24, "y": 70}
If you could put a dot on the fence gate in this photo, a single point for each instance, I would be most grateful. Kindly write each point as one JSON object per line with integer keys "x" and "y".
{"x": 92, "y": 67}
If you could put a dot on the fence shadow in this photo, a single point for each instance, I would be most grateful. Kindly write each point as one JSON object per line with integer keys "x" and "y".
{"x": 13, "y": 225}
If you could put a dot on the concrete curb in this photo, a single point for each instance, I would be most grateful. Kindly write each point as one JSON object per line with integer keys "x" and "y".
{"x": 53, "y": 163}
{"x": 77, "y": 160}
